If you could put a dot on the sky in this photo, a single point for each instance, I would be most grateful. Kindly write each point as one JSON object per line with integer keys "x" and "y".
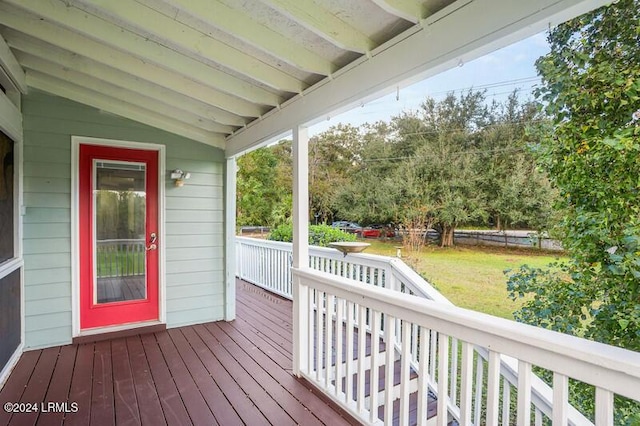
{"x": 500, "y": 72}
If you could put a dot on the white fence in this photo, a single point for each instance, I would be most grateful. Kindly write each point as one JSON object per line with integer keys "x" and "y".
{"x": 481, "y": 364}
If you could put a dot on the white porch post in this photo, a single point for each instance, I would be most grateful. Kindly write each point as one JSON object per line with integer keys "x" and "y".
{"x": 230, "y": 241}
{"x": 300, "y": 246}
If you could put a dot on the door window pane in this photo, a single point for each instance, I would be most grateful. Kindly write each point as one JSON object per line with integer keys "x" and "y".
{"x": 120, "y": 212}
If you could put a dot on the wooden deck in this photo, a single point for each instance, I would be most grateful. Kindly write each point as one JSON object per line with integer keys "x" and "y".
{"x": 118, "y": 289}
{"x": 226, "y": 373}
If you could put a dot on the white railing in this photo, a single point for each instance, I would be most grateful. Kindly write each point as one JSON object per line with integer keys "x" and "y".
{"x": 120, "y": 257}
{"x": 338, "y": 316}
{"x": 268, "y": 264}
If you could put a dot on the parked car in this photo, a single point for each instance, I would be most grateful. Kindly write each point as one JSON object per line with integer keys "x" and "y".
{"x": 377, "y": 231}
{"x": 347, "y": 226}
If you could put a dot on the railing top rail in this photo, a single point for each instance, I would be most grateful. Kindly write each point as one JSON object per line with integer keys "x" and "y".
{"x": 280, "y": 245}
{"x": 608, "y": 367}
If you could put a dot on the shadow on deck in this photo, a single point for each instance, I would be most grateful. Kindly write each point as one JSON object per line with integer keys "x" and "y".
{"x": 227, "y": 373}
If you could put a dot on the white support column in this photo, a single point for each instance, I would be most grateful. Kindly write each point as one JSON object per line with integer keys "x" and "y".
{"x": 230, "y": 241}
{"x": 300, "y": 198}
{"x": 300, "y": 247}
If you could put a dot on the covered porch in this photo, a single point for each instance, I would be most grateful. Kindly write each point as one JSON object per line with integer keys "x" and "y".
{"x": 195, "y": 87}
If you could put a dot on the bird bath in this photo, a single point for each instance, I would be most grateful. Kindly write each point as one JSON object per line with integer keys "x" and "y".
{"x": 347, "y": 247}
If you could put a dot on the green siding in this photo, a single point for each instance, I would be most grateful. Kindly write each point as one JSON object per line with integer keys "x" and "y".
{"x": 194, "y": 217}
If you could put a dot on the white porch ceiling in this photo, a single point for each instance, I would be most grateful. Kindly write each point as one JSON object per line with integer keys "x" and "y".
{"x": 235, "y": 74}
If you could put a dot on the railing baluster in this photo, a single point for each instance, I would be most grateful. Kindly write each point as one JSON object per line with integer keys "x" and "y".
{"x": 313, "y": 304}
{"x": 319, "y": 334}
{"x": 560, "y": 398}
{"x": 328, "y": 344}
{"x": 423, "y": 376}
{"x": 389, "y": 365}
{"x": 443, "y": 379}
{"x": 339, "y": 345}
{"x": 524, "y": 393}
{"x": 362, "y": 356}
{"x": 405, "y": 378}
{"x": 477, "y": 405}
{"x": 493, "y": 388}
{"x": 604, "y": 407}
{"x": 349, "y": 352}
{"x": 374, "y": 387}
{"x": 466, "y": 383}
{"x": 453, "y": 386}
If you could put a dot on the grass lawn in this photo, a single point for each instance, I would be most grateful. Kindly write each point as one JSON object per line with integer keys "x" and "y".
{"x": 471, "y": 277}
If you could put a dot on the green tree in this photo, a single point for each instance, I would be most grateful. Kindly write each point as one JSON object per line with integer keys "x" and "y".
{"x": 256, "y": 190}
{"x": 441, "y": 177}
{"x": 332, "y": 157}
{"x": 371, "y": 193}
{"x": 517, "y": 193}
{"x": 591, "y": 89}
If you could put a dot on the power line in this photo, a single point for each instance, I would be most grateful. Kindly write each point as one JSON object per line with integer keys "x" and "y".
{"x": 380, "y": 105}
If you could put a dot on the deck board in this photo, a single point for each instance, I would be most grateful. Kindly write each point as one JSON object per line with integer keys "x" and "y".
{"x": 102, "y": 400}
{"x": 37, "y": 386}
{"x": 60, "y": 383}
{"x": 171, "y": 402}
{"x": 81, "y": 388}
{"x": 146, "y": 394}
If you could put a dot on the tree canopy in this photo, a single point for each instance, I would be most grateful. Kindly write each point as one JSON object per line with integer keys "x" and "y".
{"x": 456, "y": 161}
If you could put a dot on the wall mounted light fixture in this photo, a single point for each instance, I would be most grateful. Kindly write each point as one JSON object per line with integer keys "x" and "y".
{"x": 179, "y": 177}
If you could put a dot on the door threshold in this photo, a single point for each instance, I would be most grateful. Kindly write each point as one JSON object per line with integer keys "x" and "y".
{"x": 107, "y": 333}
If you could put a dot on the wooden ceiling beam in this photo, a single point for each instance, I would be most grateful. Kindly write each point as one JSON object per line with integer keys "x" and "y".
{"x": 410, "y": 10}
{"x": 34, "y": 48}
{"x": 236, "y": 23}
{"x": 323, "y": 23}
{"x": 70, "y": 75}
{"x": 126, "y": 110}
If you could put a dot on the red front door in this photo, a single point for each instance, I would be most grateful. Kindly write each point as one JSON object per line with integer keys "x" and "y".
{"x": 118, "y": 211}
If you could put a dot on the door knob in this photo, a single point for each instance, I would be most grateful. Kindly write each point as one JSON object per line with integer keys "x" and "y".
{"x": 153, "y": 238}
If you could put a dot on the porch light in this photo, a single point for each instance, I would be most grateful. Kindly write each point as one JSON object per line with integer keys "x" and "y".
{"x": 179, "y": 177}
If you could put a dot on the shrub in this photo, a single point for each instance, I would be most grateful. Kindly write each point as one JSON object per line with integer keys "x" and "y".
{"x": 319, "y": 235}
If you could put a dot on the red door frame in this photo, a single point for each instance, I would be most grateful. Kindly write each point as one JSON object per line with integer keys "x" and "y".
{"x": 115, "y": 313}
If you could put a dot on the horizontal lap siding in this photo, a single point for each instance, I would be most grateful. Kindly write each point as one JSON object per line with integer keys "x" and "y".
{"x": 194, "y": 239}
{"x": 194, "y": 217}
